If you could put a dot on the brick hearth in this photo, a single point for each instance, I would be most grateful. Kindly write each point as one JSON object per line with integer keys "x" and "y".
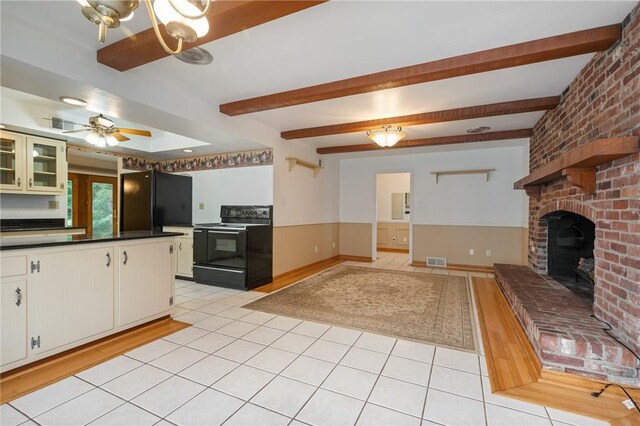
{"x": 560, "y": 327}
{"x": 602, "y": 102}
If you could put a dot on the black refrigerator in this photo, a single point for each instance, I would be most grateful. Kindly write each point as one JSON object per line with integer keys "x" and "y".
{"x": 151, "y": 200}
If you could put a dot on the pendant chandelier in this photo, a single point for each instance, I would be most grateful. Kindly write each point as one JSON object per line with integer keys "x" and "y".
{"x": 183, "y": 19}
{"x": 387, "y": 137}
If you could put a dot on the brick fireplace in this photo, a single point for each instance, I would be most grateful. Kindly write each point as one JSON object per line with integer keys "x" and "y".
{"x": 603, "y": 102}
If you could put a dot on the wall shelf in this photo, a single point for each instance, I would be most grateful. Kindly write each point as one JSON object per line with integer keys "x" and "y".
{"x": 293, "y": 161}
{"x": 578, "y": 165}
{"x": 463, "y": 172}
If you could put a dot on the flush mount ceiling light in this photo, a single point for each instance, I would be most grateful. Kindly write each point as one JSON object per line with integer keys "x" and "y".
{"x": 387, "y": 137}
{"x": 187, "y": 150}
{"x": 72, "y": 101}
{"x": 479, "y": 129}
{"x": 183, "y": 20}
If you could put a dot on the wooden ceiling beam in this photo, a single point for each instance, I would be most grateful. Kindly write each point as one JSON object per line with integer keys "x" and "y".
{"x": 457, "y": 114}
{"x": 445, "y": 140}
{"x": 225, "y": 17}
{"x": 545, "y": 49}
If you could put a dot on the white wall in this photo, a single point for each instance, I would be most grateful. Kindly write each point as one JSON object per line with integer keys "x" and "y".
{"x": 237, "y": 186}
{"x": 299, "y": 198}
{"x": 455, "y": 200}
{"x": 387, "y": 184}
{"x": 14, "y": 206}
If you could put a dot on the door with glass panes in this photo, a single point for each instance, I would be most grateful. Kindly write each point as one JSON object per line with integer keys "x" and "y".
{"x": 92, "y": 203}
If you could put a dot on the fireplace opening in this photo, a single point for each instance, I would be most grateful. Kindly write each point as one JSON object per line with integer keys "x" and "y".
{"x": 570, "y": 245}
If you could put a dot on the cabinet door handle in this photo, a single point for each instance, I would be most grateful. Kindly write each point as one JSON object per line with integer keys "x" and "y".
{"x": 180, "y": 246}
{"x": 108, "y": 259}
{"x": 18, "y": 296}
{"x": 126, "y": 258}
{"x": 19, "y": 182}
{"x": 62, "y": 186}
{"x": 30, "y": 182}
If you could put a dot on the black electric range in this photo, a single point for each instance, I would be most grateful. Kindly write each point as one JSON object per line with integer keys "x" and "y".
{"x": 238, "y": 251}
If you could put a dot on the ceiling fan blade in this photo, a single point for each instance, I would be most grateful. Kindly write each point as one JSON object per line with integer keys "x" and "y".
{"x": 121, "y": 138}
{"x": 76, "y": 131}
{"x": 135, "y": 132}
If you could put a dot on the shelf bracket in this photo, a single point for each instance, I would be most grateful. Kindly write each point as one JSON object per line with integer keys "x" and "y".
{"x": 582, "y": 177}
{"x": 293, "y": 161}
{"x": 534, "y": 191}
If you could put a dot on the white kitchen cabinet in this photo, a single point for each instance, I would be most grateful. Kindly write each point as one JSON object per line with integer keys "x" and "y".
{"x": 145, "y": 280}
{"x": 32, "y": 165}
{"x": 184, "y": 258}
{"x": 13, "y": 314}
{"x": 71, "y": 296}
{"x": 75, "y": 294}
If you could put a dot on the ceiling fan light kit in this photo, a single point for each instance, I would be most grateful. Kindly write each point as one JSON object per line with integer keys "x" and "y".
{"x": 387, "y": 137}
{"x": 183, "y": 19}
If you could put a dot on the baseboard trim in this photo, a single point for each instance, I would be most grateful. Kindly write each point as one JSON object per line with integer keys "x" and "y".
{"x": 515, "y": 371}
{"x": 355, "y": 258}
{"x": 36, "y": 375}
{"x": 392, "y": 250}
{"x": 302, "y": 268}
{"x": 295, "y": 275}
{"x": 455, "y": 267}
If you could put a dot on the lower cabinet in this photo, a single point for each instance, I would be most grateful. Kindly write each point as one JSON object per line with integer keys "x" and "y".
{"x": 146, "y": 277}
{"x": 13, "y": 311}
{"x": 71, "y": 296}
{"x": 184, "y": 258}
{"x": 55, "y": 298}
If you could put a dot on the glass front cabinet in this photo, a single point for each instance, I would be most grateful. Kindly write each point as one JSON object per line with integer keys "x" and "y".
{"x": 32, "y": 165}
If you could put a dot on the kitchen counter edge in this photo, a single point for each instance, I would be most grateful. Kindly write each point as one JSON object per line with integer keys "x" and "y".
{"x": 24, "y": 243}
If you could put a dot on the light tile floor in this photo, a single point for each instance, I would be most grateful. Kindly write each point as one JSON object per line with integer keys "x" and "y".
{"x": 240, "y": 367}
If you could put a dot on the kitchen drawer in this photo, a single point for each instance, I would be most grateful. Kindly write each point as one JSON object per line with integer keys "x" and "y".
{"x": 13, "y": 266}
{"x": 223, "y": 277}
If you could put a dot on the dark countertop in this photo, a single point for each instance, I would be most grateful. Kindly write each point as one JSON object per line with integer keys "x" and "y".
{"x": 19, "y": 243}
{"x": 51, "y": 228}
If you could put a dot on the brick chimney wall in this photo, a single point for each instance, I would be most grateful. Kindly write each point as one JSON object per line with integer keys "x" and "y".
{"x": 603, "y": 101}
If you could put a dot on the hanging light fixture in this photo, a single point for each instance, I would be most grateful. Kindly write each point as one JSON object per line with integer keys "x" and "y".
{"x": 387, "y": 137}
{"x": 183, "y": 19}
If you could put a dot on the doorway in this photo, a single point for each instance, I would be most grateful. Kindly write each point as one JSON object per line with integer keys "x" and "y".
{"x": 393, "y": 218}
{"x": 92, "y": 203}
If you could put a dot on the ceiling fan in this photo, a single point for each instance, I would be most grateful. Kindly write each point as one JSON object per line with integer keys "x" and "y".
{"x": 103, "y": 132}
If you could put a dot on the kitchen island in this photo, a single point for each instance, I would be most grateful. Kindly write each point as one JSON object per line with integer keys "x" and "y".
{"x": 61, "y": 291}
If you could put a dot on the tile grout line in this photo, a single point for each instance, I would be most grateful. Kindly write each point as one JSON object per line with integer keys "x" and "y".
{"x": 376, "y": 382}
{"x": 424, "y": 406}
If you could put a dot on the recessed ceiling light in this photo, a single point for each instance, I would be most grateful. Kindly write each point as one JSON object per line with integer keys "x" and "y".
{"x": 73, "y": 101}
{"x": 479, "y": 129}
{"x": 187, "y": 150}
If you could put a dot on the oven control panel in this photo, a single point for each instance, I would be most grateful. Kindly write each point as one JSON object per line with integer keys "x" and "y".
{"x": 245, "y": 212}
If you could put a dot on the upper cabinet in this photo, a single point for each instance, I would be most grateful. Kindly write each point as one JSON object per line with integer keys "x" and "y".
{"x": 32, "y": 165}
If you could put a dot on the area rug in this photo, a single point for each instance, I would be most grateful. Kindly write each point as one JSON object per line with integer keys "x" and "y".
{"x": 428, "y": 308}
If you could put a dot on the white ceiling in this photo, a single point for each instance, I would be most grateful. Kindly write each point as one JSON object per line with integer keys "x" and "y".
{"x": 336, "y": 40}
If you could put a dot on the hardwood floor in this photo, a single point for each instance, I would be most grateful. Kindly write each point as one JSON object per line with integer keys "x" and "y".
{"x": 24, "y": 380}
{"x": 515, "y": 371}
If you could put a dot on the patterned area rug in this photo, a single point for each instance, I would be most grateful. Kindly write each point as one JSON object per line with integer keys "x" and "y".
{"x": 424, "y": 307}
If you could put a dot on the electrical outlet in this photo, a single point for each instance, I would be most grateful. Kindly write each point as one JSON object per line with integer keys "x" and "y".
{"x": 316, "y": 249}
{"x": 404, "y": 239}
{"x": 53, "y": 204}
{"x": 472, "y": 252}
{"x": 488, "y": 252}
{"x": 201, "y": 206}
{"x": 333, "y": 244}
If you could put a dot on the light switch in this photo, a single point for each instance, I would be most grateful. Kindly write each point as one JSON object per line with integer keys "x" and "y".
{"x": 201, "y": 206}
{"x": 472, "y": 252}
{"x": 53, "y": 204}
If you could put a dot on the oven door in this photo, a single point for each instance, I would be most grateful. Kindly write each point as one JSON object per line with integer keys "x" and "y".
{"x": 227, "y": 249}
